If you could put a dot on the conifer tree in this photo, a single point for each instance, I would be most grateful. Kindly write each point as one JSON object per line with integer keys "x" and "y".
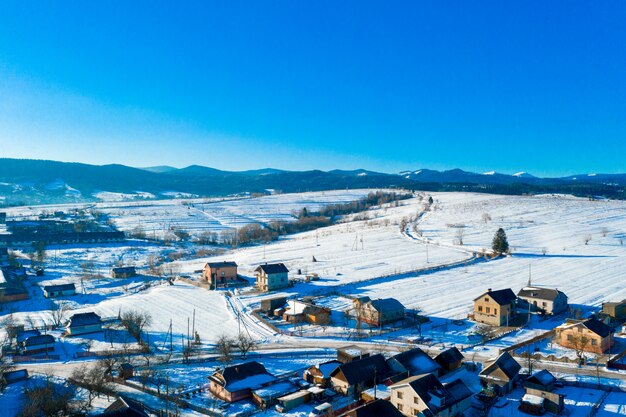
{"x": 500, "y": 243}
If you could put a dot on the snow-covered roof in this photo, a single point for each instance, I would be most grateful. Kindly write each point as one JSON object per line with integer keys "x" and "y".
{"x": 532, "y": 399}
{"x": 295, "y": 307}
{"x": 548, "y": 294}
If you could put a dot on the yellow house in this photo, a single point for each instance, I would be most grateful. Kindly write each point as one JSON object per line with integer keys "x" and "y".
{"x": 495, "y": 308}
{"x": 589, "y": 335}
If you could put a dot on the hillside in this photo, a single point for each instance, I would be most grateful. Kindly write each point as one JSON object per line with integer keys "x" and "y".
{"x": 25, "y": 181}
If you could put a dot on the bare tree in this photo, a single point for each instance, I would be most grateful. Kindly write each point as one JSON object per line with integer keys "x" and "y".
{"x": 587, "y": 239}
{"x": 579, "y": 342}
{"x": 58, "y": 312}
{"x": 460, "y": 232}
{"x": 47, "y": 399}
{"x": 107, "y": 364}
{"x": 245, "y": 344}
{"x": 604, "y": 231}
{"x": 485, "y": 332}
{"x": 224, "y": 347}
{"x": 93, "y": 379}
{"x": 135, "y": 321}
{"x": 486, "y": 218}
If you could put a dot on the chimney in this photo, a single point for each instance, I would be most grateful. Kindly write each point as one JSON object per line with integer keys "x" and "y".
{"x": 489, "y": 290}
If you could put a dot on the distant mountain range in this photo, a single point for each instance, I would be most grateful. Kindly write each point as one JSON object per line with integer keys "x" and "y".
{"x": 25, "y": 181}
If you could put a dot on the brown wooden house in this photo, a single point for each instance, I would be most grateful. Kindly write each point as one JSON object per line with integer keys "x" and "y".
{"x": 220, "y": 274}
{"x": 237, "y": 382}
{"x": 589, "y": 335}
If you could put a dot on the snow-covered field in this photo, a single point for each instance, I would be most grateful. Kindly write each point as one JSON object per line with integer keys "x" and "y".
{"x": 573, "y": 244}
{"x": 216, "y": 215}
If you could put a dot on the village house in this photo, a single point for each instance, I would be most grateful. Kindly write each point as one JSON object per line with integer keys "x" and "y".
{"x": 616, "y": 311}
{"x": 541, "y": 395}
{"x": 353, "y": 377}
{"x": 300, "y": 311}
{"x": 495, "y": 308}
{"x": 59, "y": 290}
{"x": 425, "y": 395}
{"x": 125, "y": 407}
{"x": 11, "y": 284}
{"x": 271, "y": 277}
{"x": 124, "y": 272}
{"x": 589, "y": 335}
{"x": 549, "y": 301}
{"x": 380, "y": 312}
{"x": 220, "y": 274}
{"x": 236, "y": 382}
{"x": 21, "y": 335}
{"x": 377, "y": 408}
{"x": 38, "y": 344}
{"x": 320, "y": 374}
{"x": 413, "y": 362}
{"x": 449, "y": 360}
{"x": 501, "y": 373}
{"x": 83, "y": 323}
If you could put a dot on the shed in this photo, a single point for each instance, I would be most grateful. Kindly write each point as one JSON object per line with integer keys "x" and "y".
{"x": 270, "y": 304}
{"x": 267, "y": 396}
{"x": 450, "y": 359}
{"x": 11, "y": 377}
{"x": 126, "y": 371}
{"x": 124, "y": 272}
{"x": 38, "y": 344}
{"x": 291, "y": 401}
{"x": 58, "y": 290}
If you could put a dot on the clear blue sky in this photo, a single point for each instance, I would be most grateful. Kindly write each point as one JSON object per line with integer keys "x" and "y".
{"x": 537, "y": 86}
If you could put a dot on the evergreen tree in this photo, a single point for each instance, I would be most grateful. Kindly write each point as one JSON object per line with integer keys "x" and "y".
{"x": 500, "y": 243}
{"x": 430, "y": 200}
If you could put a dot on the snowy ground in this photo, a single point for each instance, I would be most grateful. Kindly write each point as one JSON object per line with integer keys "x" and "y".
{"x": 573, "y": 244}
{"x": 578, "y": 403}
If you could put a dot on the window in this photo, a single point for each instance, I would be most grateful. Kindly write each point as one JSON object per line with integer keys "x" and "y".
{"x": 495, "y": 311}
{"x": 544, "y": 304}
{"x": 480, "y": 308}
{"x": 486, "y": 299}
{"x": 594, "y": 342}
{"x": 570, "y": 338}
{"x": 487, "y": 310}
{"x": 399, "y": 395}
{"x": 416, "y": 400}
{"x": 399, "y": 407}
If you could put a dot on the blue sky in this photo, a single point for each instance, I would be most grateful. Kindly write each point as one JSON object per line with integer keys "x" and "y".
{"x": 535, "y": 86}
